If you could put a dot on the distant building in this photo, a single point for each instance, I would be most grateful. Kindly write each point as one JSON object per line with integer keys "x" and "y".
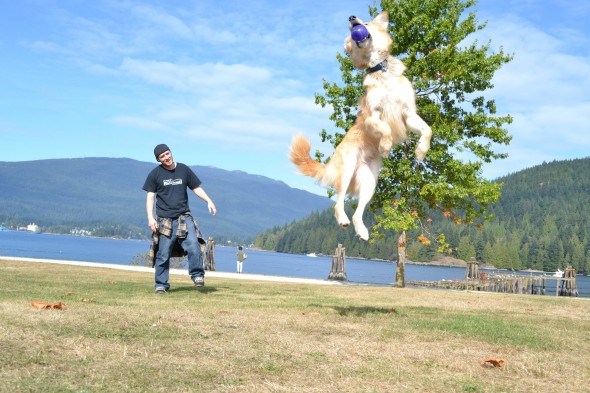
{"x": 80, "y": 232}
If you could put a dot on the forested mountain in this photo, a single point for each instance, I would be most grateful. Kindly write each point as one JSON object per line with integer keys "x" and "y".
{"x": 105, "y": 196}
{"x": 542, "y": 221}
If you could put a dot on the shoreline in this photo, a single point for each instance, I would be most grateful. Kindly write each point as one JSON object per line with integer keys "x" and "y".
{"x": 455, "y": 263}
{"x": 228, "y": 275}
{"x": 183, "y": 272}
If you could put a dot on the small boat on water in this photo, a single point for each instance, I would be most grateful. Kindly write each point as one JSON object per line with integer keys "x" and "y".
{"x": 311, "y": 254}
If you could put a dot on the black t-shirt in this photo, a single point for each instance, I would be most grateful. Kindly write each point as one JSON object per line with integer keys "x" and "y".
{"x": 170, "y": 188}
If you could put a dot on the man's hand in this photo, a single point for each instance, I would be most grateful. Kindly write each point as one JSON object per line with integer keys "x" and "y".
{"x": 203, "y": 195}
{"x": 212, "y": 208}
{"x": 153, "y": 224}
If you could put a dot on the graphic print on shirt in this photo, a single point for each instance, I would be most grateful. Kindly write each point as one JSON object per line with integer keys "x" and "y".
{"x": 172, "y": 182}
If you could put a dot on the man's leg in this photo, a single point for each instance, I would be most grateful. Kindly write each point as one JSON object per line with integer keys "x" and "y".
{"x": 162, "y": 265}
{"x": 191, "y": 245}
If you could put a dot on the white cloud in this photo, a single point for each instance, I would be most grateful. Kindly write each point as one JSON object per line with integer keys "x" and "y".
{"x": 545, "y": 89}
{"x": 196, "y": 77}
{"x": 227, "y": 102}
{"x": 159, "y": 21}
{"x": 138, "y": 122}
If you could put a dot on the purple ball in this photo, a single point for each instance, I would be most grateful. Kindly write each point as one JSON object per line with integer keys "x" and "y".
{"x": 359, "y": 33}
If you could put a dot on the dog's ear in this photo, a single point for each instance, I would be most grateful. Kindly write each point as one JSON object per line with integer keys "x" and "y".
{"x": 348, "y": 44}
{"x": 382, "y": 20}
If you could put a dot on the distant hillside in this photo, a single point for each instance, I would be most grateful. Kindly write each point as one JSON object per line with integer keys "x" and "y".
{"x": 542, "y": 221}
{"x": 106, "y": 193}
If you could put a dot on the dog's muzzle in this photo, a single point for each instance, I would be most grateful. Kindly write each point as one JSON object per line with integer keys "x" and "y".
{"x": 358, "y": 31}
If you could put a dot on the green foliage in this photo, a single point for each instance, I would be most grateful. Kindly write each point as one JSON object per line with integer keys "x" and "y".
{"x": 542, "y": 221}
{"x": 450, "y": 74}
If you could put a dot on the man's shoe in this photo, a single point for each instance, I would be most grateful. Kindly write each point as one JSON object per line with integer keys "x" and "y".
{"x": 199, "y": 281}
{"x": 161, "y": 291}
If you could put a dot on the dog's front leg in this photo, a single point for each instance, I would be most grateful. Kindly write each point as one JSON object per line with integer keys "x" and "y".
{"x": 415, "y": 124}
{"x": 380, "y": 130}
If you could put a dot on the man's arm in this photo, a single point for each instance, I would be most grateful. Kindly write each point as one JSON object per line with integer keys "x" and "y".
{"x": 149, "y": 207}
{"x": 203, "y": 195}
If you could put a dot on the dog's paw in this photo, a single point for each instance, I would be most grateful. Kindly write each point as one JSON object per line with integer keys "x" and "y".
{"x": 364, "y": 235}
{"x": 344, "y": 223}
{"x": 361, "y": 230}
{"x": 420, "y": 154}
{"x": 384, "y": 149}
{"x": 341, "y": 217}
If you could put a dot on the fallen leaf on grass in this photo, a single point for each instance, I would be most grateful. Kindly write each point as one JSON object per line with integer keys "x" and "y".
{"x": 493, "y": 362}
{"x": 43, "y": 305}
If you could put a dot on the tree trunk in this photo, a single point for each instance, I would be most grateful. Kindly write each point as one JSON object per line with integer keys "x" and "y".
{"x": 400, "y": 276}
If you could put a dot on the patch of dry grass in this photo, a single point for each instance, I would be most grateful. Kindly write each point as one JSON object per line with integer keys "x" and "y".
{"x": 242, "y": 336}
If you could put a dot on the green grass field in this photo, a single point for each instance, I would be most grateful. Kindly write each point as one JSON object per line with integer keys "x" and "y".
{"x": 115, "y": 335}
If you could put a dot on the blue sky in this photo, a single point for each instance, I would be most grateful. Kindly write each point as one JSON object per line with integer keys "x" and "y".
{"x": 228, "y": 83}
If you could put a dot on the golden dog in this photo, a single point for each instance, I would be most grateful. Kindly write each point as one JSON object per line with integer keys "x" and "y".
{"x": 387, "y": 111}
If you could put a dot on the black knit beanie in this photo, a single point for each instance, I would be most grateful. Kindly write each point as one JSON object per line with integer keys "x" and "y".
{"x": 161, "y": 148}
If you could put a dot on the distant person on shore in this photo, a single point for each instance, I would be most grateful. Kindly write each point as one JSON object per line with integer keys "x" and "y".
{"x": 241, "y": 257}
{"x": 174, "y": 227}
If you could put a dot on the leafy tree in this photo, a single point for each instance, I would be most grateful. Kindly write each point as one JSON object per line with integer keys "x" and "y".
{"x": 449, "y": 74}
{"x": 554, "y": 255}
{"x": 466, "y": 249}
{"x": 577, "y": 254}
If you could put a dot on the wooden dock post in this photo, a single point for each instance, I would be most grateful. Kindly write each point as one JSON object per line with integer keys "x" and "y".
{"x": 567, "y": 285}
{"x": 502, "y": 283}
{"x": 471, "y": 271}
{"x": 209, "y": 257}
{"x": 338, "y": 271}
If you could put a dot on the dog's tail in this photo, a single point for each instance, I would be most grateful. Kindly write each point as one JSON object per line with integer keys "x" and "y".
{"x": 300, "y": 156}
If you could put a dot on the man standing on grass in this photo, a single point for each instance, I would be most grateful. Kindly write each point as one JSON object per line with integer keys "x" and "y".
{"x": 167, "y": 186}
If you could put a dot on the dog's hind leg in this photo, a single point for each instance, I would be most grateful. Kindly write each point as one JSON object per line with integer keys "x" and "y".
{"x": 341, "y": 217}
{"x": 366, "y": 179}
{"x": 415, "y": 124}
{"x": 348, "y": 169}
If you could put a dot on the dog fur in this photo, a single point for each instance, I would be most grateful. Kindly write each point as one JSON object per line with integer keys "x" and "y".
{"x": 387, "y": 111}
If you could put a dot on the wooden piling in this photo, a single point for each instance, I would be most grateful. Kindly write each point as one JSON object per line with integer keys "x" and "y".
{"x": 471, "y": 271}
{"x": 209, "y": 257}
{"x": 567, "y": 285}
{"x": 338, "y": 271}
{"x": 501, "y": 283}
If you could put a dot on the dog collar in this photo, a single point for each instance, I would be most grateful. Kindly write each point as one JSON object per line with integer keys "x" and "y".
{"x": 379, "y": 67}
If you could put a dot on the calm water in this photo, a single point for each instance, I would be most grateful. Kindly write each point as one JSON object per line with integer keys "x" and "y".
{"x": 64, "y": 247}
